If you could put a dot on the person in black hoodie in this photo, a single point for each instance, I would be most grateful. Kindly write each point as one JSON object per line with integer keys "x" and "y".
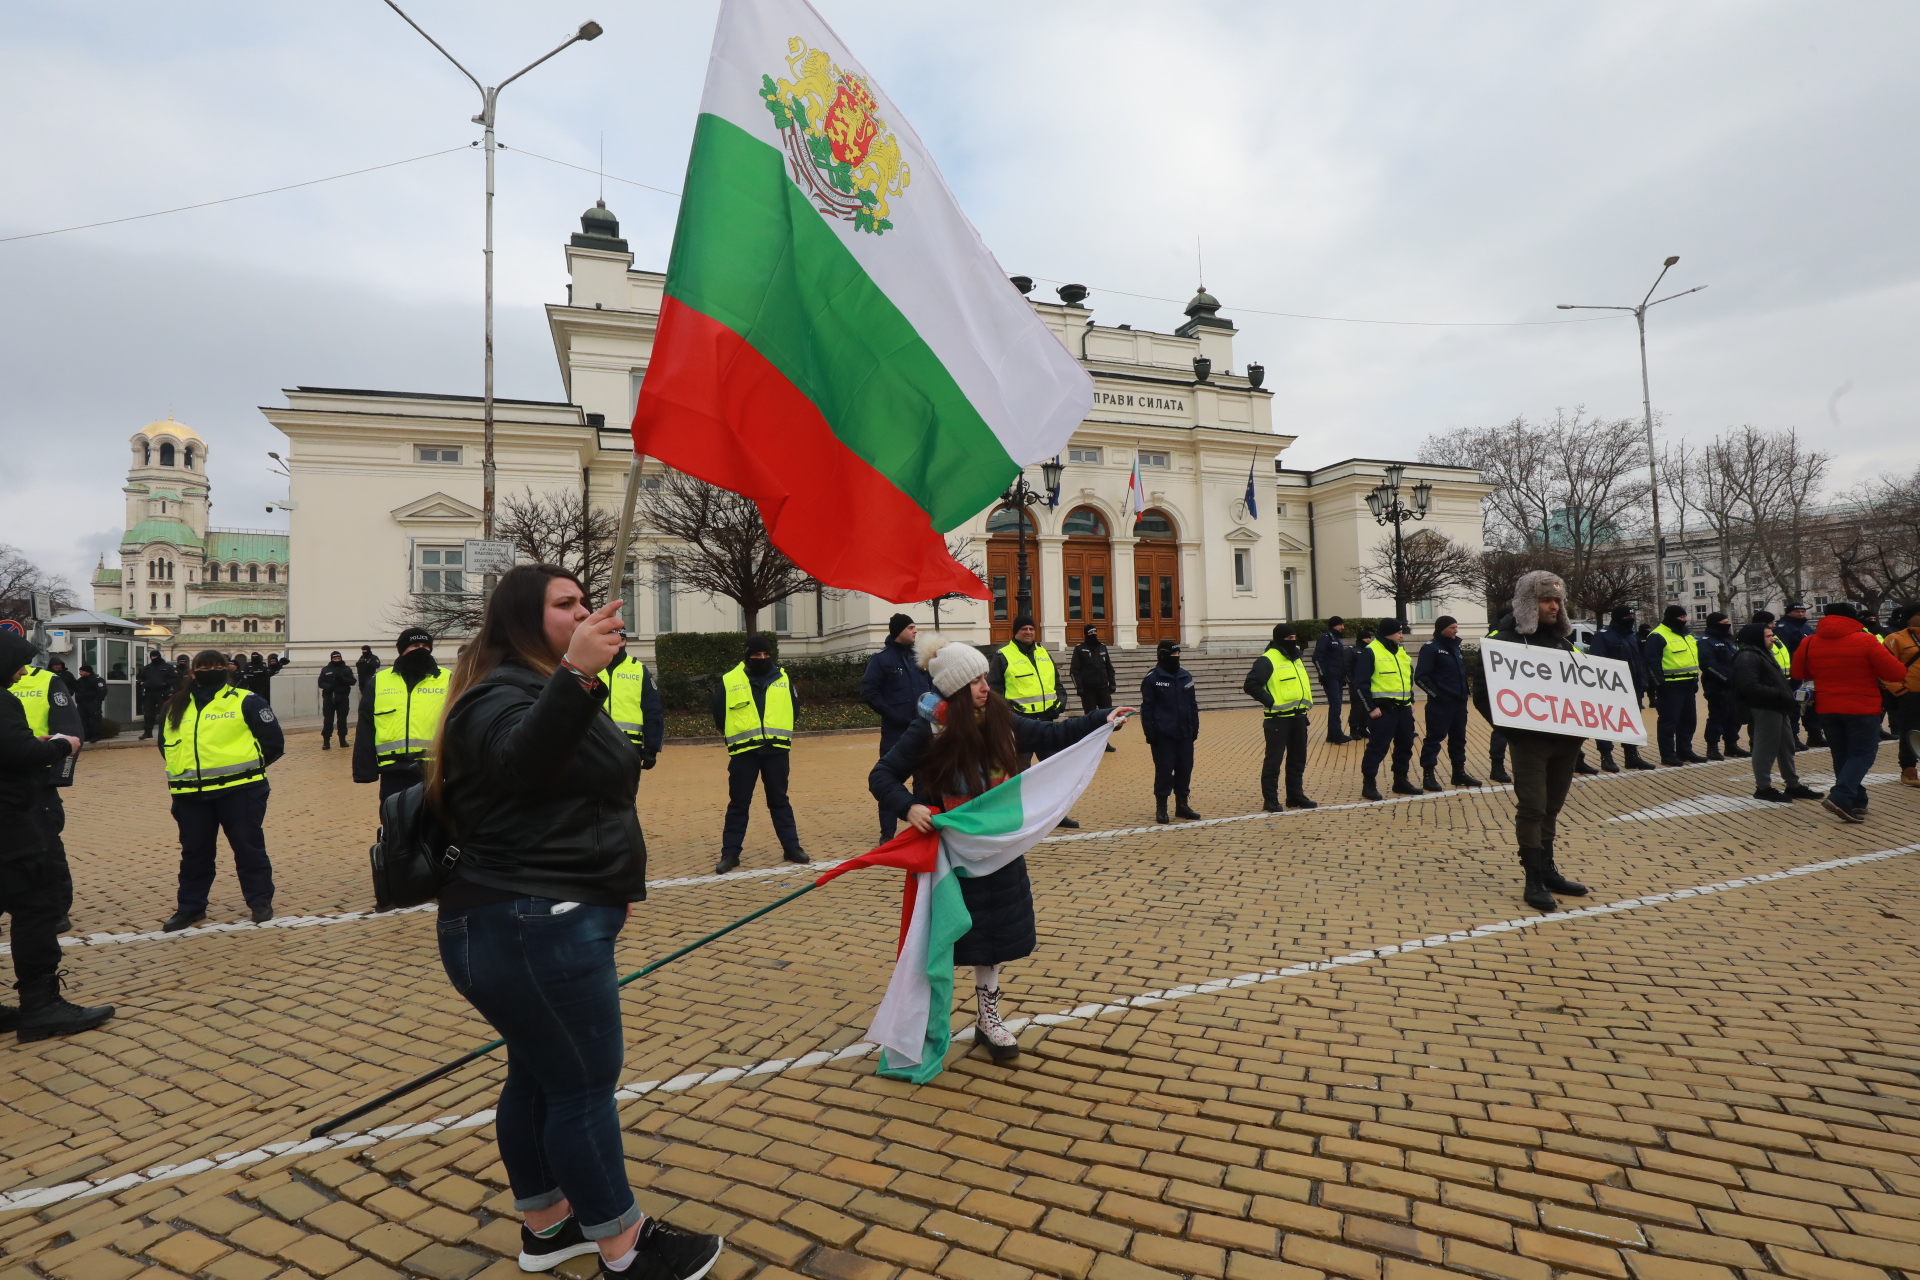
{"x": 1717, "y": 647}
{"x": 536, "y": 785}
{"x": 1441, "y": 671}
{"x": 336, "y": 691}
{"x": 155, "y": 684}
{"x": 1762, "y": 690}
{"x": 364, "y": 668}
{"x": 90, "y": 695}
{"x": 1170, "y": 717}
{"x": 1092, "y": 670}
{"x": 35, "y": 889}
{"x": 1542, "y": 762}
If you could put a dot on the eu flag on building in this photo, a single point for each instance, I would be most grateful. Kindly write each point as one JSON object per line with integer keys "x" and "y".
{"x": 1253, "y": 510}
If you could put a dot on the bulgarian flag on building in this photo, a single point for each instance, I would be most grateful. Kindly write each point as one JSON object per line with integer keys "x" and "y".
{"x": 913, "y": 1026}
{"x": 836, "y": 342}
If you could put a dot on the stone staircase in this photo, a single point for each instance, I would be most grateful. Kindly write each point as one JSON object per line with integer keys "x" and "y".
{"x": 1217, "y": 677}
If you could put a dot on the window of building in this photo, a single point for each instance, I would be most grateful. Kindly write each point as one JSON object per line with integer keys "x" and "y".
{"x": 218, "y": 624}
{"x": 273, "y": 573}
{"x": 279, "y": 624}
{"x": 1089, "y": 456}
{"x": 253, "y": 573}
{"x": 1699, "y": 611}
{"x": 434, "y": 453}
{"x": 189, "y": 457}
{"x": 1422, "y": 611}
{"x": 146, "y": 455}
{"x": 1280, "y": 510}
{"x": 1699, "y": 566}
{"x": 634, "y": 379}
{"x": 1156, "y": 461}
{"x": 1086, "y": 522}
{"x": 166, "y": 455}
{"x": 1151, "y": 524}
{"x": 1699, "y": 591}
{"x": 169, "y": 599}
{"x": 233, "y": 573}
{"x": 251, "y": 624}
{"x": 1675, "y": 569}
{"x": 1819, "y": 602}
{"x": 1287, "y": 584}
{"x": 1242, "y": 569}
{"x": 438, "y": 569}
{"x": 783, "y": 617}
{"x": 663, "y": 599}
{"x": 153, "y": 600}
{"x": 1007, "y": 520}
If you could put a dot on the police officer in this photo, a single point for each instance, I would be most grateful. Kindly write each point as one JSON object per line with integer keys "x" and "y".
{"x": 634, "y": 703}
{"x": 1617, "y": 640}
{"x": 1022, "y": 672}
{"x": 34, "y": 888}
{"x": 401, "y": 717}
{"x": 1383, "y": 676}
{"x": 1442, "y": 672}
{"x": 364, "y": 667}
{"x": 1278, "y": 682}
{"x": 1672, "y": 656}
{"x": 1093, "y": 676}
{"x": 892, "y": 686}
{"x": 51, "y": 710}
{"x": 1717, "y": 648}
{"x": 154, "y": 684}
{"x": 218, "y": 740}
{"x": 1170, "y": 717}
{"x": 753, "y": 708}
{"x": 1335, "y": 664}
{"x": 336, "y": 683}
{"x": 90, "y": 694}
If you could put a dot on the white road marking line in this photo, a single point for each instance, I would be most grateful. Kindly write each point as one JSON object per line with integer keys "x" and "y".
{"x": 1704, "y": 805}
{"x": 40, "y": 1197}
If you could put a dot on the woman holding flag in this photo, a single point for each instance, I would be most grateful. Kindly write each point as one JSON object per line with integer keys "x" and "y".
{"x": 966, "y": 741}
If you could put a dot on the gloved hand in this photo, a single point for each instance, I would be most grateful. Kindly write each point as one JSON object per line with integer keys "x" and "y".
{"x": 648, "y": 760}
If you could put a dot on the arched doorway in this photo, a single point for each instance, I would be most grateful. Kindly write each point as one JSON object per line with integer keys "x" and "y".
{"x": 1003, "y": 569}
{"x": 1156, "y": 575}
{"x": 1086, "y": 568}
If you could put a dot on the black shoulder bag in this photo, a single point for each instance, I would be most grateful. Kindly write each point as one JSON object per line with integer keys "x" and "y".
{"x": 412, "y": 856}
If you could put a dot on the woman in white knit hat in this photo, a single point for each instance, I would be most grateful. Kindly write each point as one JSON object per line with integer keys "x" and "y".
{"x": 947, "y": 756}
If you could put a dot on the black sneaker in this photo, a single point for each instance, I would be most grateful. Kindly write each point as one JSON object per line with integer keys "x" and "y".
{"x": 544, "y": 1253}
{"x": 1772, "y": 795}
{"x": 1798, "y": 792}
{"x": 668, "y": 1253}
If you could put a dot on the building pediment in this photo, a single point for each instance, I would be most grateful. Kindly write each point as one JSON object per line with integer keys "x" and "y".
{"x": 436, "y": 508}
{"x": 1243, "y": 535}
{"x": 1289, "y": 544}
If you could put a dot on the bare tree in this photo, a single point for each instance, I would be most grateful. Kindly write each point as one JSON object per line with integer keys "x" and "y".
{"x": 559, "y": 528}
{"x": 1877, "y": 549}
{"x": 1611, "y": 579}
{"x": 1737, "y": 487}
{"x": 724, "y": 547}
{"x": 1431, "y": 566}
{"x": 21, "y": 578}
{"x": 1498, "y": 569}
{"x": 960, "y": 547}
{"x": 1783, "y": 537}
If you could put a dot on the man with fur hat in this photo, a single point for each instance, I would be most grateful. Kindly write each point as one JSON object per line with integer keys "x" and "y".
{"x": 892, "y": 686}
{"x": 1672, "y": 655}
{"x": 1442, "y": 672}
{"x": 1278, "y": 682}
{"x": 1383, "y": 680}
{"x": 1543, "y": 763}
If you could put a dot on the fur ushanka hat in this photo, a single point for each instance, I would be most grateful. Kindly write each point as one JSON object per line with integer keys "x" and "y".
{"x": 1529, "y": 592}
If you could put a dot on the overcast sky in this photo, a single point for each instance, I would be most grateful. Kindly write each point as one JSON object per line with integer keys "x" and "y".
{"x": 1434, "y": 162}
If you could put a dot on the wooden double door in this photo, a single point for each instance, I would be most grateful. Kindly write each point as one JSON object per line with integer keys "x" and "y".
{"x": 1086, "y": 571}
{"x": 1156, "y": 581}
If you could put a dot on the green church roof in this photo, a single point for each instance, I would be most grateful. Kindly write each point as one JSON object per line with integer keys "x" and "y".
{"x": 106, "y": 577}
{"x": 259, "y": 548}
{"x": 161, "y": 529}
{"x": 238, "y": 609}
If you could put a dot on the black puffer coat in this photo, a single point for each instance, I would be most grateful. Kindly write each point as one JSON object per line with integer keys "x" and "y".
{"x": 1001, "y": 904}
{"x": 540, "y": 789}
{"x": 1758, "y": 682}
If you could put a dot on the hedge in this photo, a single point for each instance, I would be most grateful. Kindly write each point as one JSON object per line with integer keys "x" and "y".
{"x": 690, "y": 663}
{"x": 1309, "y": 629}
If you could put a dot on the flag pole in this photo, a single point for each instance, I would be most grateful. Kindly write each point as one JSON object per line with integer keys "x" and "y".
{"x": 624, "y": 538}
{"x": 322, "y": 1130}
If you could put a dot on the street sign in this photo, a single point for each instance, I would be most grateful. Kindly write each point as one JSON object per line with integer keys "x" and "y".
{"x": 12, "y": 628}
{"x": 42, "y": 606}
{"x": 484, "y": 557}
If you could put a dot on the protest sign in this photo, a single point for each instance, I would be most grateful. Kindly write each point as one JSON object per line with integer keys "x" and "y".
{"x": 1553, "y": 691}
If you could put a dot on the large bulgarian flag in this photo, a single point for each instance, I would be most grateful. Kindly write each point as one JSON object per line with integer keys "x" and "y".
{"x": 836, "y": 342}
{"x": 913, "y": 1026}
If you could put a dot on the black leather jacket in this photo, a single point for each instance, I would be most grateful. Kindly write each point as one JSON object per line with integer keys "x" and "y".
{"x": 540, "y": 790}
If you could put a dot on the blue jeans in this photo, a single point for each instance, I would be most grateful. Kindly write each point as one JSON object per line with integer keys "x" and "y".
{"x": 1855, "y": 744}
{"x": 545, "y": 980}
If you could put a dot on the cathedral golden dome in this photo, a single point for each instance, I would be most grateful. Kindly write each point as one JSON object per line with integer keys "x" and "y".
{"x": 168, "y": 427}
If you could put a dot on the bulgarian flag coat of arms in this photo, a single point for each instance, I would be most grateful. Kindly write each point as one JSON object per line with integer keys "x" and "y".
{"x": 836, "y": 342}
{"x": 913, "y": 1025}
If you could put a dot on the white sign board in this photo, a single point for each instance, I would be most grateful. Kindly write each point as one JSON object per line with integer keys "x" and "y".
{"x": 485, "y": 557}
{"x": 42, "y": 606}
{"x": 1552, "y": 691}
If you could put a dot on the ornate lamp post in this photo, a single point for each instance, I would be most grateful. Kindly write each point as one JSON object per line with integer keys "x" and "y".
{"x": 1020, "y": 496}
{"x": 1384, "y": 501}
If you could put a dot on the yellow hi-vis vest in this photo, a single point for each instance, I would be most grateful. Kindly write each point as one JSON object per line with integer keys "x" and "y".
{"x": 745, "y": 728}
{"x": 1392, "y": 673}
{"x": 405, "y": 720}
{"x": 626, "y": 682}
{"x": 1680, "y": 660}
{"x": 1287, "y": 686}
{"x": 1782, "y": 655}
{"x": 212, "y": 749}
{"x": 34, "y": 689}
{"x": 1031, "y": 684}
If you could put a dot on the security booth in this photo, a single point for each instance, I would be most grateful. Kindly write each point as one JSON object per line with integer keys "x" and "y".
{"x": 112, "y": 646}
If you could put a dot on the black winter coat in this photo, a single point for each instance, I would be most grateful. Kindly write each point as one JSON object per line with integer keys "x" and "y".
{"x": 1758, "y": 682}
{"x": 1092, "y": 669}
{"x": 1001, "y": 904}
{"x": 1441, "y": 670}
{"x": 336, "y": 680}
{"x": 1334, "y": 659}
{"x": 892, "y": 685}
{"x": 540, "y": 790}
{"x": 157, "y": 679}
{"x": 1169, "y": 707}
{"x": 1620, "y": 642}
{"x": 24, "y": 760}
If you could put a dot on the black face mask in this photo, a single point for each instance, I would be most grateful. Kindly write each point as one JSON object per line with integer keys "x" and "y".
{"x": 415, "y": 662}
{"x": 1169, "y": 662}
{"x": 1678, "y": 626}
{"x": 1291, "y": 648}
{"x": 760, "y": 666}
{"x": 210, "y": 679}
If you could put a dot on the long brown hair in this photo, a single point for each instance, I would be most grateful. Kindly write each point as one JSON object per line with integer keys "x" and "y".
{"x": 515, "y": 626}
{"x": 972, "y": 748}
{"x": 176, "y": 708}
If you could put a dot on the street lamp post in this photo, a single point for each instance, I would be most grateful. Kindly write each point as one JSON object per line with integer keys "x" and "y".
{"x": 489, "y": 100}
{"x": 1019, "y": 496}
{"x": 1384, "y": 501}
{"x": 1646, "y": 406}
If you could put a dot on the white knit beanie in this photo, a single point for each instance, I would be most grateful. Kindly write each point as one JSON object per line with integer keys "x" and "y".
{"x": 952, "y": 664}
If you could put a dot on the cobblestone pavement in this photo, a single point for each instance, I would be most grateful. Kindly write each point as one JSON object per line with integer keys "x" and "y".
{"x": 1409, "y": 1074}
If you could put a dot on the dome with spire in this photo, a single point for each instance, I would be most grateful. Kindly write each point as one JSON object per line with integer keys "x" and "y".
{"x": 599, "y": 229}
{"x": 1203, "y": 313}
